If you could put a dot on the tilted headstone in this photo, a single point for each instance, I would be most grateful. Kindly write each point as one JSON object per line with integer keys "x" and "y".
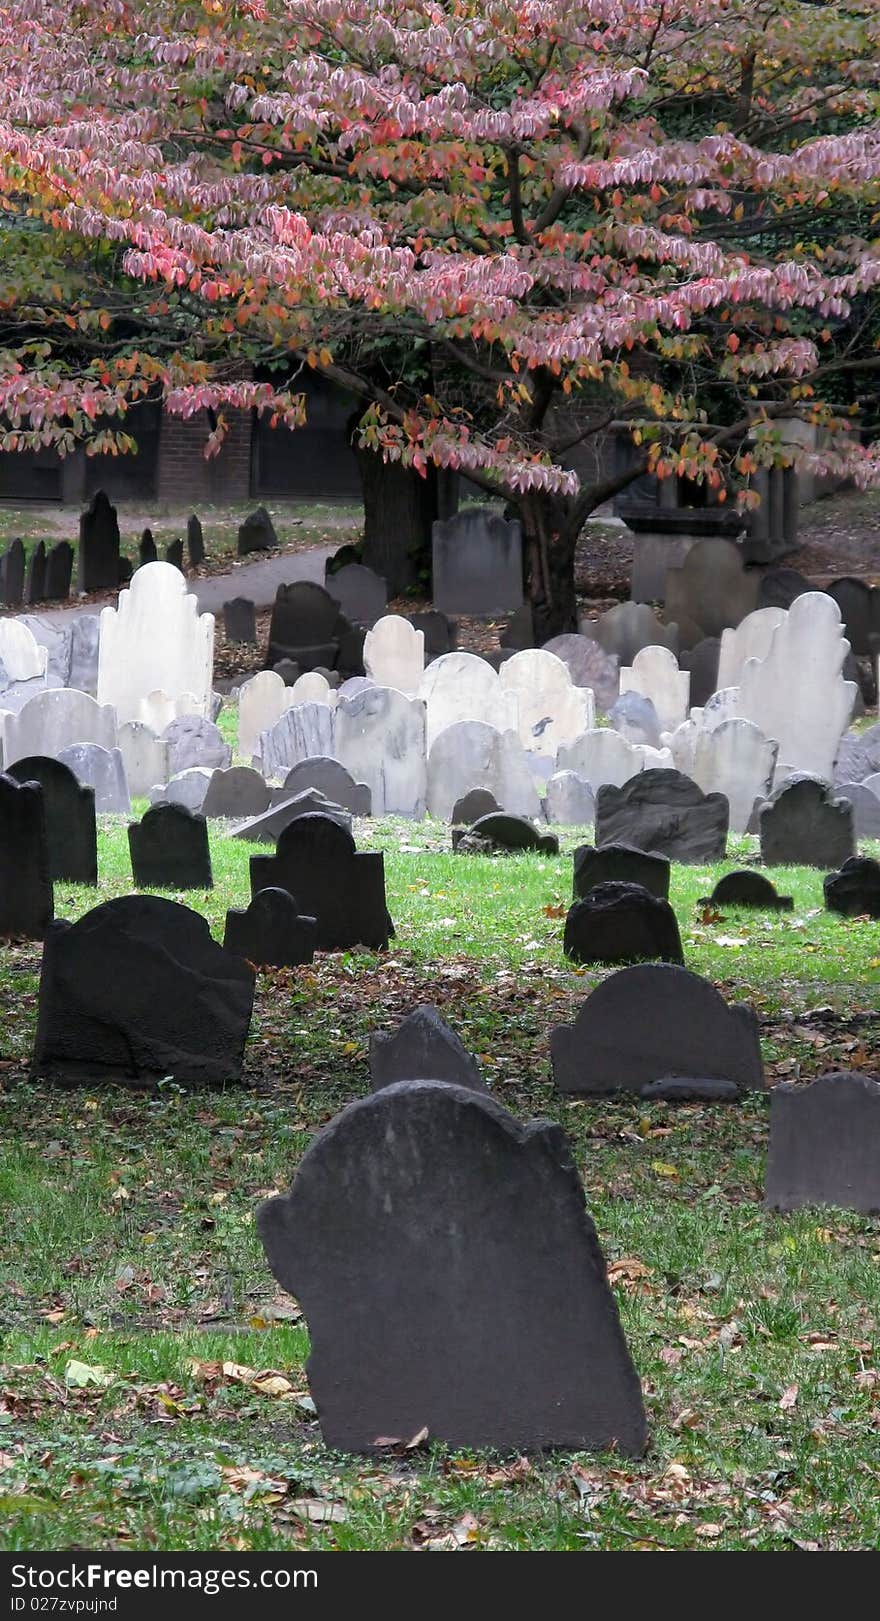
{"x": 602, "y": 756}
{"x": 144, "y": 756}
{"x": 628, "y": 627}
{"x": 589, "y": 665}
{"x": 137, "y": 991}
{"x": 654, "y": 673}
{"x": 865, "y": 804}
{"x": 748, "y": 888}
{"x": 330, "y": 778}
{"x": 663, "y": 812}
{"x": 824, "y": 1144}
{"x": 797, "y": 694}
{"x": 12, "y": 572}
{"x": 738, "y": 761}
{"x": 236, "y": 791}
{"x": 803, "y": 824}
{"x": 380, "y": 739}
{"x": 187, "y": 788}
{"x": 271, "y": 932}
{"x": 618, "y": 864}
{"x": 102, "y": 770}
{"x": 195, "y": 541}
{"x": 169, "y": 849}
{"x": 304, "y": 626}
{"x": 621, "y": 923}
{"x": 472, "y": 754}
{"x": 302, "y": 732}
{"x": 701, "y": 663}
{"x": 59, "y": 572}
{"x": 26, "y": 897}
{"x": 240, "y": 620}
{"x": 551, "y": 711}
{"x": 752, "y": 638}
{"x": 471, "y": 806}
{"x": 635, "y": 718}
{"x": 155, "y": 638}
{"x": 461, "y": 686}
{"x": 419, "y": 1221}
{"x": 257, "y": 533}
{"x": 98, "y": 563}
{"x": 174, "y": 554}
{"x": 191, "y": 740}
{"x": 341, "y": 887}
{"x": 394, "y": 654}
{"x": 69, "y": 812}
{"x": 53, "y": 721}
{"x": 712, "y": 586}
{"x": 35, "y": 583}
{"x": 362, "y": 595}
{"x": 569, "y": 801}
{"x": 477, "y": 563}
{"x": 854, "y": 891}
{"x": 422, "y": 1048}
{"x": 269, "y": 825}
{"x": 663, "y": 1032}
{"x": 500, "y": 833}
{"x": 147, "y": 549}
{"x": 21, "y": 655}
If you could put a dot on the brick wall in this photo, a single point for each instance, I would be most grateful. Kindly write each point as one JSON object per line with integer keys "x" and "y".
{"x": 186, "y": 477}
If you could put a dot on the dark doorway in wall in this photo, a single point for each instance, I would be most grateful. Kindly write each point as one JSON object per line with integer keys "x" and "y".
{"x": 30, "y": 475}
{"x": 314, "y": 462}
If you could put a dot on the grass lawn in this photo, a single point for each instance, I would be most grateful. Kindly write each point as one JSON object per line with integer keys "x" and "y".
{"x": 129, "y": 1249}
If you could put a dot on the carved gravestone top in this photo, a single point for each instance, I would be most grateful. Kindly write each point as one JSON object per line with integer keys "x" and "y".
{"x": 136, "y": 991}
{"x": 26, "y": 896}
{"x": 440, "y": 632}
{"x": 803, "y": 824}
{"x": 635, "y": 718}
{"x": 271, "y": 932}
{"x": 98, "y": 546}
{"x": 192, "y": 740}
{"x": 169, "y": 849}
{"x": 257, "y": 533}
{"x": 747, "y": 888}
{"x": 780, "y": 587}
{"x": 361, "y": 594}
{"x": 619, "y": 923}
{"x": 854, "y": 891}
{"x": 103, "y": 770}
{"x": 343, "y": 888}
{"x": 503, "y": 833}
{"x": 422, "y": 1048}
{"x": 471, "y": 806}
{"x": 330, "y": 778}
{"x": 589, "y": 666}
{"x": 477, "y": 563}
{"x": 825, "y": 1144}
{"x": 69, "y": 810}
{"x": 622, "y": 864}
{"x": 235, "y": 791}
{"x": 712, "y": 586}
{"x": 628, "y": 627}
{"x": 661, "y": 1031}
{"x": 419, "y": 1221}
{"x": 286, "y": 807}
{"x": 665, "y": 813}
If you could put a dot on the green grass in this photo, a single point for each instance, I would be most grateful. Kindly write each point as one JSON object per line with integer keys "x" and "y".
{"x": 129, "y": 1245}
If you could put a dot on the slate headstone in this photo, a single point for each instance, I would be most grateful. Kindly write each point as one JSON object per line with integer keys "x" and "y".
{"x": 184, "y": 788}
{"x": 854, "y": 891}
{"x": 169, "y": 849}
{"x": 257, "y": 533}
{"x": 619, "y": 864}
{"x": 268, "y": 827}
{"x": 519, "y": 632}
{"x": 330, "y": 778}
{"x": 635, "y": 718}
{"x": 503, "y": 834}
{"x": 422, "y": 1048}
{"x": 288, "y": 670}
{"x": 102, "y": 770}
{"x": 236, "y": 791}
{"x": 98, "y": 546}
{"x": 69, "y": 811}
{"x": 191, "y": 740}
{"x": 866, "y": 808}
{"x": 362, "y": 594}
{"x": 59, "y": 572}
{"x": 12, "y": 572}
{"x": 304, "y": 627}
{"x": 26, "y": 897}
{"x": 471, "y": 806}
{"x": 240, "y": 621}
{"x": 195, "y": 541}
{"x": 477, "y": 563}
{"x": 569, "y": 800}
{"x": 859, "y": 605}
{"x": 419, "y": 1222}
{"x": 780, "y": 587}
{"x": 85, "y": 635}
{"x": 824, "y": 1144}
{"x": 747, "y": 888}
{"x": 628, "y": 627}
{"x": 440, "y": 632}
{"x": 664, "y": 813}
{"x": 621, "y": 923}
{"x": 174, "y": 553}
{"x": 35, "y": 584}
{"x": 701, "y": 662}
{"x": 344, "y": 889}
{"x": 270, "y": 932}
{"x": 147, "y": 550}
{"x": 590, "y": 666}
{"x": 803, "y": 824}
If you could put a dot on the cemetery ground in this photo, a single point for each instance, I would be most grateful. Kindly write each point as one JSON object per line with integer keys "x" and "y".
{"x": 152, "y": 1387}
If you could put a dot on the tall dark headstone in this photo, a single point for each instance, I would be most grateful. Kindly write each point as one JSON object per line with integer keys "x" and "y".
{"x": 137, "y": 991}
{"x": 27, "y": 903}
{"x": 344, "y": 889}
{"x": 803, "y": 824}
{"x": 824, "y": 1144}
{"x": 69, "y": 811}
{"x": 98, "y": 546}
{"x": 35, "y": 585}
{"x": 147, "y": 552}
{"x": 305, "y": 627}
{"x": 664, "y": 812}
{"x": 477, "y": 563}
{"x": 452, "y": 1280}
{"x": 174, "y": 553}
{"x": 12, "y": 572}
{"x": 702, "y": 663}
{"x": 271, "y": 932}
{"x": 169, "y": 849}
{"x": 618, "y": 923}
{"x": 859, "y": 605}
{"x": 422, "y": 1048}
{"x": 440, "y": 632}
{"x": 257, "y": 533}
{"x": 240, "y": 620}
{"x": 59, "y": 572}
{"x": 195, "y": 541}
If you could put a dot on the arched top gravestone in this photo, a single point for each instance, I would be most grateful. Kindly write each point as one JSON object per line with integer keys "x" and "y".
{"x": 169, "y": 849}
{"x": 419, "y": 1222}
{"x": 712, "y": 586}
{"x": 271, "y": 932}
{"x": 665, "y": 813}
{"x": 155, "y": 639}
{"x": 477, "y": 563}
{"x": 26, "y": 895}
{"x": 422, "y": 1048}
{"x": 824, "y": 1146}
{"x": 69, "y": 810}
{"x": 342, "y": 888}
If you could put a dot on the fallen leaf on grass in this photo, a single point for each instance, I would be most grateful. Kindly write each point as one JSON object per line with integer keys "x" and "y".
{"x": 80, "y": 1375}
{"x": 318, "y": 1512}
{"x": 660, "y": 1168}
{"x": 555, "y": 911}
{"x": 710, "y": 1531}
{"x": 788, "y": 1398}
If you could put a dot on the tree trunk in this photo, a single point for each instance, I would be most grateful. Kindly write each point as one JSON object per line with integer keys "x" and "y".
{"x": 548, "y": 549}
{"x": 399, "y": 509}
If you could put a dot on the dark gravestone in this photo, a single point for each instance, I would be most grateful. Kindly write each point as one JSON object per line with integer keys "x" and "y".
{"x": 477, "y": 802}
{"x": 858, "y": 756}
{"x": 174, "y": 554}
{"x": 236, "y": 791}
{"x": 519, "y": 632}
{"x": 269, "y": 826}
{"x": 440, "y": 633}
{"x": 195, "y": 541}
{"x": 802, "y": 824}
{"x": 780, "y": 587}
{"x": 635, "y": 718}
{"x": 35, "y": 586}
{"x": 702, "y": 663}
{"x": 330, "y": 778}
{"x": 825, "y": 1144}
{"x": 854, "y": 891}
{"x": 747, "y": 888}
{"x": 621, "y": 864}
{"x": 502, "y": 833}
{"x": 304, "y": 626}
{"x": 342, "y": 557}
{"x": 147, "y": 552}
{"x": 59, "y": 572}
{"x": 664, "y": 812}
{"x": 126, "y": 569}
{"x": 663, "y": 1032}
{"x": 350, "y": 647}
{"x": 477, "y": 563}
{"x": 859, "y": 605}
{"x": 12, "y": 572}
{"x": 240, "y": 620}
{"x": 27, "y": 903}
{"x": 169, "y": 849}
{"x": 422, "y": 1048}
{"x": 619, "y": 923}
{"x": 342, "y": 888}
{"x": 137, "y": 991}
{"x": 69, "y": 811}
{"x": 452, "y": 1281}
{"x": 712, "y": 587}
{"x": 866, "y": 808}
{"x": 257, "y": 533}
{"x": 271, "y": 933}
{"x": 98, "y": 546}
{"x": 589, "y": 665}
{"x": 289, "y": 671}
{"x": 361, "y": 594}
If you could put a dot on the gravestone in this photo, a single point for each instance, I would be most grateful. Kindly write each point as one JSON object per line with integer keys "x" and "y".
{"x": 858, "y": 757}
{"x": 471, "y": 806}
{"x": 797, "y": 694}
{"x": 803, "y": 824}
{"x": 270, "y": 932}
{"x": 55, "y": 720}
{"x": 551, "y": 711}
{"x": 305, "y": 627}
{"x": 748, "y": 888}
{"x": 98, "y": 564}
{"x": 394, "y": 654}
{"x": 865, "y": 804}
{"x": 69, "y": 813}
{"x": 460, "y": 687}
{"x": 82, "y": 659}
{"x": 654, "y": 674}
{"x": 477, "y": 563}
{"x": 303, "y": 732}
{"x": 257, "y": 533}
{"x": 174, "y": 554}
{"x": 240, "y": 621}
{"x": 628, "y": 627}
{"x": 261, "y": 702}
{"x": 736, "y": 760}
{"x": 752, "y": 638}
{"x": 147, "y": 550}
{"x": 621, "y": 923}
{"x": 701, "y": 663}
{"x": 341, "y": 887}
{"x": 288, "y": 670}
{"x": 422, "y": 1048}
{"x": 144, "y": 756}
{"x": 21, "y": 655}
{"x": 519, "y": 632}
{"x": 12, "y": 572}
{"x": 330, "y": 778}
{"x": 268, "y": 827}
{"x": 619, "y": 864}
{"x": 662, "y": 1032}
{"x": 59, "y": 572}
{"x": 191, "y": 740}
{"x": 361, "y": 594}
{"x": 854, "y": 891}
{"x": 601, "y": 756}
{"x": 195, "y": 541}
{"x": 380, "y": 739}
{"x": 634, "y": 717}
{"x": 663, "y": 812}
{"x": 26, "y": 897}
{"x": 500, "y": 833}
{"x": 312, "y": 688}
{"x": 569, "y": 800}
{"x": 169, "y": 849}
{"x": 859, "y": 605}
{"x": 137, "y": 991}
{"x": 155, "y": 639}
{"x": 102, "y": 770}
{"x": 187, "y": 788}
{"x": 589, "y": 666}
{"x": 440, "y": 632}
{"x": 712, "y": 586}
{"x": 470, "y": 755}
{"x": 236, "y": 791}
{"x": 824, "y": 1144}
{"x": 35, "y": 584}
{"x": 780, "y": 587}
{"x": 56, "y": 637}
{"x": 419, "y": 1222}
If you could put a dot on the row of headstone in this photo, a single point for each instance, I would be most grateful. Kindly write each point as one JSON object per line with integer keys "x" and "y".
{"x": 44, "y": 576}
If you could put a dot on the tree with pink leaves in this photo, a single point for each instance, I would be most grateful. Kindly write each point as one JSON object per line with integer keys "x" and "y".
{"x": 503, "y": 227}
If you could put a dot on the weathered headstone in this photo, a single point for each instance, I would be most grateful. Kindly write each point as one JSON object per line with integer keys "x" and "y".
{"x": 26, "y": 897}
{"x": 736, "y": 760}
{"x": 257, "y": 533}
{"x": 628, "y": 627}
{"x": 341, "y": 887}
{"x": 663, "y": 1032}
{"x": 519, "y": 632}
{"x": 780, "y": 587}
{"x": 803, "y": 824}
{"x": 288, "y": 670}
{"x": 500, "y": 833}
{"x": 271, "y": 932}
{"x": 236, "y": 791}
{"x": 269, "y": 825}
{"x": 35, "y": 583}
{"x": 470, "y": 755}
{"x": 312, "y": 688}
{"x": 471, "y": 806}
{"x": 665, "y": 813}
{"x": 859, "y": 605}
{"x": 797, "y": 694}
{"x": 380, "y": 739}
{"x": 654, "y": 674}
{"x": 191, "y": 740}
{"x": 634, "y": 717}
{"x": 240, "y": 620}
{"x": 155, "y": 638}
{"x": 569, "y": 800}
{"x": 169, "y": 849}
{"x": 589, "y": 665}
{"x": 82, "y": 658}
{"x": 69, "y": 812}
{"x": 303, "y": 732}
{"x": 137, "y": 991}
{"x": 21, "y": 655}
{"x": 144, "y": 756}
{"x": 865, "y": 804}
{"x": 602, "y": 756}
{"x": 824, "y": 1144}
{"x": 422, "y": 1048}
{"x": 102, "y": 770}
{"x": 98, "y": 564}
{"x": 460, "y": 687}
{"x": 619, "y": 864}
{"x": 621, "y": 923}
{"x": 361, "y": 594}
{"x": 12, "y": 572}
{"x": 551, "y": 711}
{"x": 59, "y": 572}
{"x": 195, "y": 541}
{"x": 701, "y": 663}
{"x": 53, "y": 721}
{"x": 440, "y": 632}
{"x": 305, "y": 626}
{"x": 854, "y": 891}
{"x": 748, "y": 888}
{"x": 262, "y": 701}
{"x": 752, "y": 638}
{"x": 187, "y": 788}
{"x": 371, "y": 1240}
{"x": 331, "y": 779}
{"x": 858, "y": 756}
{"x": 712, "y": 586}
{"x": 477, "y": 563}
{"x": 394, "y": 654}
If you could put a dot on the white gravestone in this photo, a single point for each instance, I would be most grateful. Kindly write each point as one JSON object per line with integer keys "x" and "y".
{"x": 654, "y": 673}
{"x": 552, "y": 710}
{"x": 155, "y": 639}
{"x": 460, "y": 686}
{"x": 602, "y": 756}
{"x": 394, "y": 654}
{"x": 736, "y": 760}
{"x": 749, "y": 640}
{"x": 797, "y": 694}
{"x": 144, "y": 755}
{"x": 471, "y": 754}
{"x": 380, "y": 739}
{"x": 261, "y": 701}
{"x": 21, "y": 655}
{"x": 311, "y": 688}
{"x": 55, "y": 720}
{"x": 570, "y": 801}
